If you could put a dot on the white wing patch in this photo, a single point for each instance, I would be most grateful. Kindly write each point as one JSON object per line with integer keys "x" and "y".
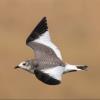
{"x": 55, "y": 72}
{"x": 46, "y": 40}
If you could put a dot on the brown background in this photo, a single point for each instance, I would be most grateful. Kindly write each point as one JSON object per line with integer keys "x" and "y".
{"x": 74, "y": 26}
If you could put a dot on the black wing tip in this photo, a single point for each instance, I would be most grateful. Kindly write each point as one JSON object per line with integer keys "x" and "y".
{"x": 45, "y": 78}
{"x": 39, "y": 30}
{"x": 44, "y": 18}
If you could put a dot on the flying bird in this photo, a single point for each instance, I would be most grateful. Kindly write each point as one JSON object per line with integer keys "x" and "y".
{"x": 47, "y": 65}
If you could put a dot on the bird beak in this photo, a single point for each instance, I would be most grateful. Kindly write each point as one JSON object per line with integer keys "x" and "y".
{"x": 17, "y": 67}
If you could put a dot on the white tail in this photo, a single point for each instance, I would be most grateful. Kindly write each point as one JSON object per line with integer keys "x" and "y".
{"x": 72, "y": 68}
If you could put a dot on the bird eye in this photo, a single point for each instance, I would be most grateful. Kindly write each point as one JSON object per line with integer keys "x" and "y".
{"x": 24, "y": 64}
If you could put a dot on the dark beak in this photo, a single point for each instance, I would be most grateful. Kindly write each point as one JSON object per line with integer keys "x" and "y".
{"x": 16, "y": 67}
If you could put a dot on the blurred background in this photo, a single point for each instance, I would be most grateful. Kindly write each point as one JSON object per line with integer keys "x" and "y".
{"x": 75, "y": 28}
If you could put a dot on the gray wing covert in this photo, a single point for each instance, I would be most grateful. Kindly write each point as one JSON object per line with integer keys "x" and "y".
{"x": 45, "y": 55}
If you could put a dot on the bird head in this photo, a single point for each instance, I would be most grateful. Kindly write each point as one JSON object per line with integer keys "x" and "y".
{"x": 24, "y": 65}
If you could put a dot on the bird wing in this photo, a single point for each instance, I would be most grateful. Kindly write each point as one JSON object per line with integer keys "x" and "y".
{"x": 51, "y": 76}
{"x": 39, "y": 40}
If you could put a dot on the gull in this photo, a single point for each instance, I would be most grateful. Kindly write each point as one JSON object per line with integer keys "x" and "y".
{"x": 47, "y": 65}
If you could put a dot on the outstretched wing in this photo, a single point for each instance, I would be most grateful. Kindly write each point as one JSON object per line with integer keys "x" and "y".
{"x": 39, "y": 40}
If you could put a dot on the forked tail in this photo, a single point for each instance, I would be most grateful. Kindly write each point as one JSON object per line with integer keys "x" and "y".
{"x": 73, "y": 68}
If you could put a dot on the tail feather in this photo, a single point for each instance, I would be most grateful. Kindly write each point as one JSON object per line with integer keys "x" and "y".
{"x": 82, "y": 67}
{"x": 73, "y": 68}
